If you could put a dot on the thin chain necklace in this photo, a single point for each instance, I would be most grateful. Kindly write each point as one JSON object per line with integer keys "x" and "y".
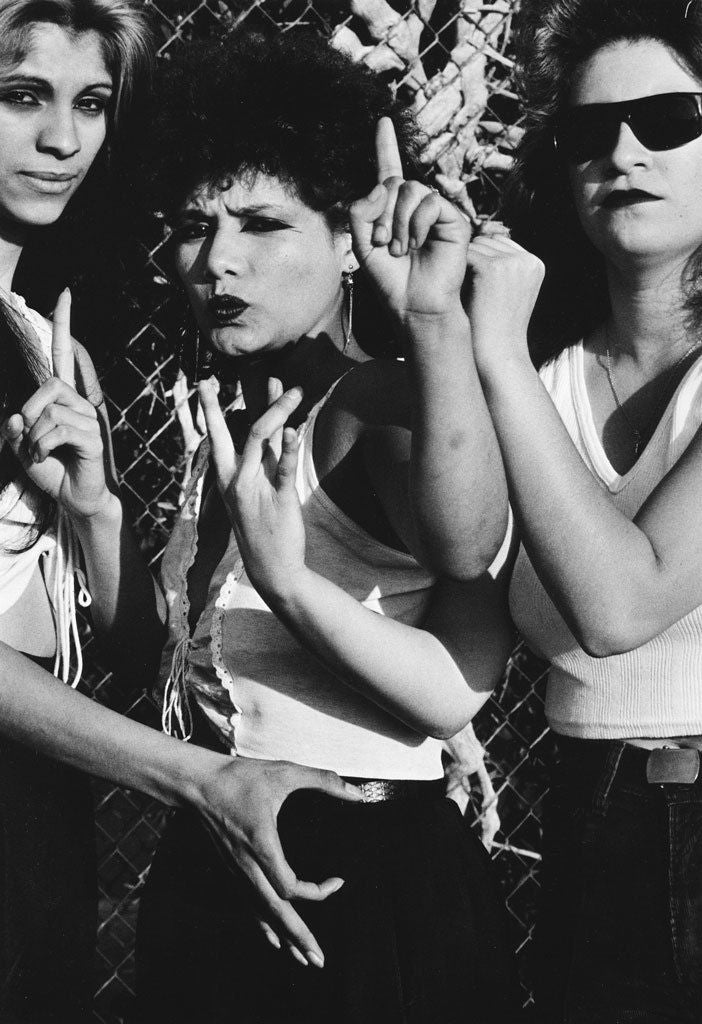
{"x": 639, "y": 434}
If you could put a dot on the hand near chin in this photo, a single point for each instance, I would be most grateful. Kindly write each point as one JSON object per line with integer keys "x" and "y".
{"x": 504, "y": 281}
{"x": 410, "y": 241}
{"x": 258, "y": 488}
{"x": 57, "y": 435}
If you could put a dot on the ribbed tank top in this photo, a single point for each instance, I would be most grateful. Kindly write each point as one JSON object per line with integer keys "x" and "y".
{"x": 266, "y": 695}
{"x": 656, "y": 689}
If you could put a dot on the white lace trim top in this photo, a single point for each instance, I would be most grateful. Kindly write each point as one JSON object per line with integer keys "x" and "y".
{"x": 58, "y": 546}
{"x": 653, "y": 690}
{"x": 263, "y": 693}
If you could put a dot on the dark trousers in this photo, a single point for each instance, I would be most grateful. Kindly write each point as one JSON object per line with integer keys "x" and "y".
{"x": 48, "y": 890}
{"x": 416, "y": 936}
{"x": 620, "y": 934}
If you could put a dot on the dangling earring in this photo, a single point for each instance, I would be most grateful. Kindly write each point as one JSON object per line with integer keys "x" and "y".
{"x": 347, "y": 322}
{"x": 184, "y": 344}
{"x": 203, "y": 360}
{"x": 193, "y": 356}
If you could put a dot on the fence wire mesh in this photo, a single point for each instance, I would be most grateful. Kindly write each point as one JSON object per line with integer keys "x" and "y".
{"x": 453, "y": 60}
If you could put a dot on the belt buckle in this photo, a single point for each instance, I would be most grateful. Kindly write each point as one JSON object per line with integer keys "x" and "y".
{"x": 673, "y": 765}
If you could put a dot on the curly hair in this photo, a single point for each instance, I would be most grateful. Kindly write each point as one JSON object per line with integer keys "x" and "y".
{"x": 556, "y": 37}
{"x": 289, "y": 106}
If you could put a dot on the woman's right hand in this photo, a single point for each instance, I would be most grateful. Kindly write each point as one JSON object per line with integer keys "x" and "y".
{"x": 57, "y": 435}
{"x": 239, "y": 801}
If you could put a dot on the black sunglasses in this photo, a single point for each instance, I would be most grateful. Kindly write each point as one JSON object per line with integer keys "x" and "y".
{"x": 664, "y": 121}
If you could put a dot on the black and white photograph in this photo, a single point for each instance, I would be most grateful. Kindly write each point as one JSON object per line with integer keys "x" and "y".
{"x": 350, "y": 511}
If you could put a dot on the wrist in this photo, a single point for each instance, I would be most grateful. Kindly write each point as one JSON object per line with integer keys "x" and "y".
{"x": 499, "y": 361}
{"x": 505, "y": 376}
{"x": 107, "y": 511}
{"x": 435, "y": 325}
{"x": 285, "y": 589}
{"x": 185, "y": 782}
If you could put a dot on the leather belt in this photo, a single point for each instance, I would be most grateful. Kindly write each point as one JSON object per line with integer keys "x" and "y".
{"x": 674, "y": 761}
{"x": 671, "y": 761}
{"x": 671, "y": 765}
{"x": 377, "y": 791}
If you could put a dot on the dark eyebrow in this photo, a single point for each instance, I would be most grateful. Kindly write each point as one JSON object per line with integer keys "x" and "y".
{"x": 190, "y": 213}
{"x": 197, "y": 213}
{"x": 30, "y": 80}
{"x": 44, "y": 85}
{"x": 257, "y": 210}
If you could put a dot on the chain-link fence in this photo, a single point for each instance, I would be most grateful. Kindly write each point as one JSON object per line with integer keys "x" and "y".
{"x": 452, "y": 60}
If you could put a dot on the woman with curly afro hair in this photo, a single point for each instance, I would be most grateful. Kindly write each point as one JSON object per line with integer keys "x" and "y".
{"x": 313, "y": 615}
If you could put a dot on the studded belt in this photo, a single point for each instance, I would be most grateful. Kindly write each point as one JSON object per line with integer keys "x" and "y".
{"x": 380, "y": 790}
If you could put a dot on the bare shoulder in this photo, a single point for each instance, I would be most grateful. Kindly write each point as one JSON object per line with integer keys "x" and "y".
{"x": 375, "y": 394}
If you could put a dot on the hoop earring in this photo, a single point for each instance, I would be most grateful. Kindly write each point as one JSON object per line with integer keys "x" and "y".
{"x": 347, "y": 321}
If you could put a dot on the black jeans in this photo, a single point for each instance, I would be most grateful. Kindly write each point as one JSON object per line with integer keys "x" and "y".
{"x": 620, "y": 933}
{"x": 417, "y": 935}
{"x": 48, "y": 890}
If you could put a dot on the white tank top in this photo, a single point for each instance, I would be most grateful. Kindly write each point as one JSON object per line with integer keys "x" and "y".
{"x": 264, "y": 694}
{"x": 656, "y": 689}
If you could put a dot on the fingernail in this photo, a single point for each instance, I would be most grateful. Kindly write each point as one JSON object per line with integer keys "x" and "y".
{"x": 377, "y": 192}
{"x": 273, "y": 939}
{"x": 315, "y": 958}
{"x": 413, "y": 243}
{"x": 335, "y": 886}
{"x": 36, "y": 457}
{"x": 396, "y": 247}
{"x": 380, "y": 234}
{"x": 298, "y": 956}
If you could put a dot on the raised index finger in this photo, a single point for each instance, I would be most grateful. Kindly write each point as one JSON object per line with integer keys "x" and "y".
{"x": 387, "y": 152}
{"x": 61, "y": 342}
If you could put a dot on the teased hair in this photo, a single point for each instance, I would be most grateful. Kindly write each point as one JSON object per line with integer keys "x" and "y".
{"x": 556, "y": 36}
{"x": 289, "y": 106}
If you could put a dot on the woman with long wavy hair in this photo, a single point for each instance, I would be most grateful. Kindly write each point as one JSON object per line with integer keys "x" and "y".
{"x": 69, "y": 72}
{"x": 603, "y": 453}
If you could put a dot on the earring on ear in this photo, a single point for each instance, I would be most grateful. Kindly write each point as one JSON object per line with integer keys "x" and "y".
{"x": 347, "y": 321}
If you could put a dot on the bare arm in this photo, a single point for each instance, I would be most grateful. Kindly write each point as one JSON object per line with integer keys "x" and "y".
{"x": 617, "y": 583}
{"x": 432, "y": 678}
{"x": 412, "y": 244}
{"x": 238, "y": 799}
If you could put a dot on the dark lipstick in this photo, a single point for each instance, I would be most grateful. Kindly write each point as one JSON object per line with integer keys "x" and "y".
{"x": 225, "y": 309}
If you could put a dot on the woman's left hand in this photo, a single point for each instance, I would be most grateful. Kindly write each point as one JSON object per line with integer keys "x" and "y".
{"x": 258, "y": 488}
{"x": 58, "y": 435}
{"x": 504, "y": 287}
{"x": 409, "y": 240}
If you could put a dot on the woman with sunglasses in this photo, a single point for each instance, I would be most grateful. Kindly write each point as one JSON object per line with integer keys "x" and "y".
{"x": 603, "y": 453}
